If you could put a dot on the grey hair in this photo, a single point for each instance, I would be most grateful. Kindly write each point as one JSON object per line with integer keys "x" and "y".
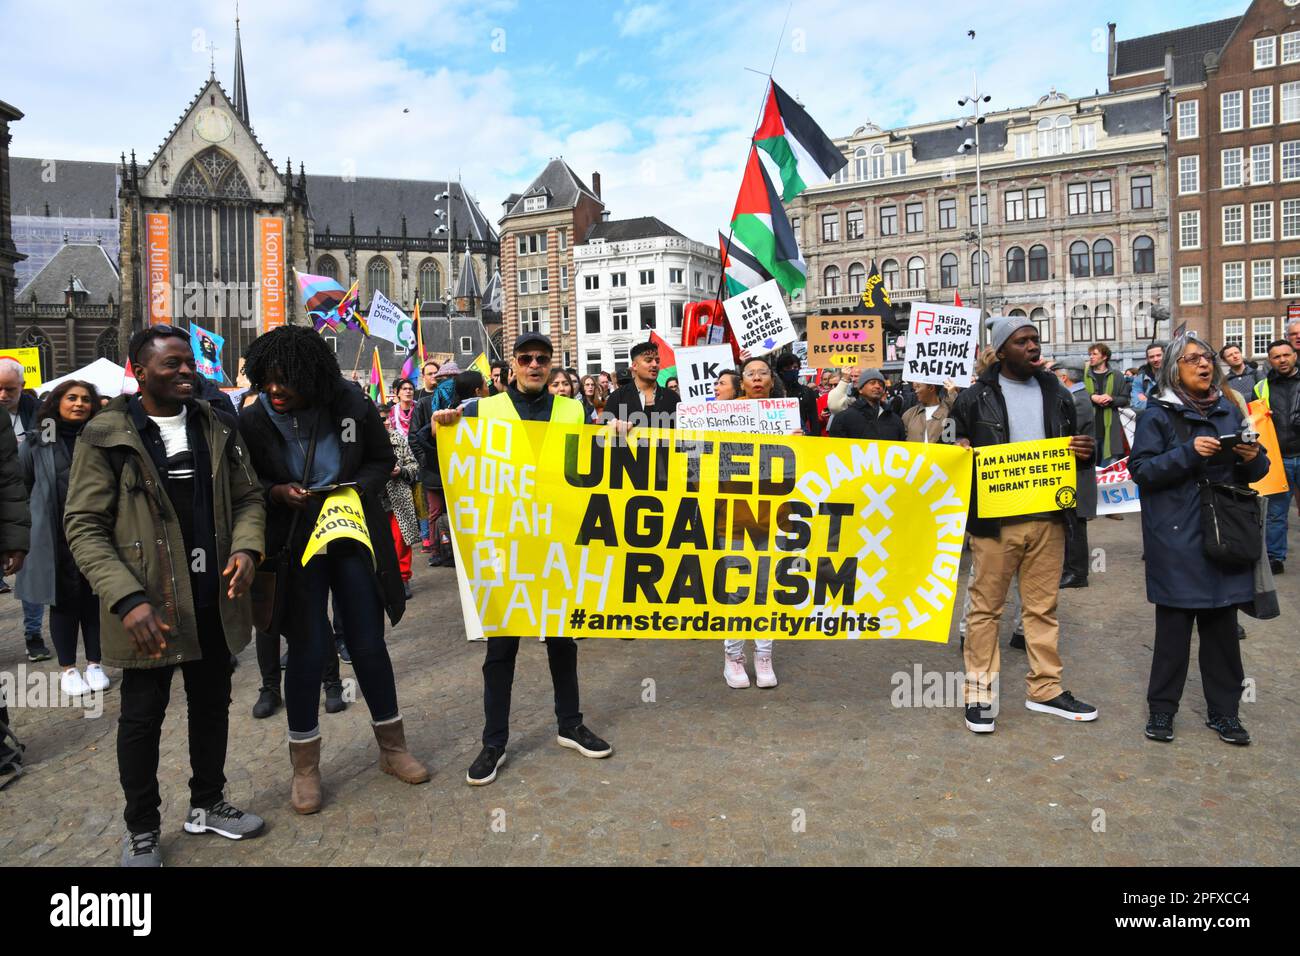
{"x": 1167, "y": 380}
{"x": 13, "y": 365}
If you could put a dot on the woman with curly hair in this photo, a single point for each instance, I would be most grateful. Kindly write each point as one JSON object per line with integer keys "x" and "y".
{"x": 311, "y": 430}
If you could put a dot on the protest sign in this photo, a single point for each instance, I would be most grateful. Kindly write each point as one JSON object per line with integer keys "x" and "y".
{"x": 845, "y": 341}
{"x": 206, "y": 347}
{"x": 1025, "y": 478}
{"x": 389, "y": 323}
{"x": 1117, "y": 492}
{"x": 759, "y": 319}
{"x": 698, "y": 368}
{"x": 941, "y": 342}
{"x": 30, "y": 359}
{"x": 567, "y": 530}
{"x": 341, "y": 516}
{"x": 761, "y": 416}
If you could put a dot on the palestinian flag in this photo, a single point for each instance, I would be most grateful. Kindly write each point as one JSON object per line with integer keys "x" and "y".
{"x": 667, "y": 359}
{"x": 742, "y": 271}
{"x": 760, "y": 223}
{"x": 805, "y": 155}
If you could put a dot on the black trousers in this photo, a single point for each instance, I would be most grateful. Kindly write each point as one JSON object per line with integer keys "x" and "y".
{"x": 65, "y": 622}
{"x": 499, "y": 678}
{"x": 268, "y": 660}
{"x": 1077, "y": 554}
{"x": 145, "y": 693}
{"x": 1220, "y": 658}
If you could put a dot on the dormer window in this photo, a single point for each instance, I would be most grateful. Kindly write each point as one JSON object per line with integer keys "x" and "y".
{"x": 534, "y": 203}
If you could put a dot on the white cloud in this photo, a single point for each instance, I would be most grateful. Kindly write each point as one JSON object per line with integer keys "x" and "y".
{"x": 642, "y": 18}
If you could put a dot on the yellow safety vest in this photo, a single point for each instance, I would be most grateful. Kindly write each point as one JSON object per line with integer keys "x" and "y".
{"x": 565, "y": 411}
{"x": 1261, "y": 391}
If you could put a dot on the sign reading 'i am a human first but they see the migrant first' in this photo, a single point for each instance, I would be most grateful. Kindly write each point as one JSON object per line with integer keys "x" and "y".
{"x": 573, "y": 530}
{"x": 1025, "y": 478}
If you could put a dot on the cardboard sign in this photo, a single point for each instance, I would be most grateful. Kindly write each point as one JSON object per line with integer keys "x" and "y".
{"x": 845, "y": 341}
{"x": 759, "y": 319}
{"x": 762, "y": 416}
{"x": 941, "y": 342}
{"x": 1024, "y": 478}
{"x": 30, "y": 359}
{"x": 698, "y": 368}
{"x": 1117, "y": 492}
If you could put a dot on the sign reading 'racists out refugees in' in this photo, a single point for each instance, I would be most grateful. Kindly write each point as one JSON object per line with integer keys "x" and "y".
{"x": 759, "y": 319}
{"x": 941, "y": 342}
{"x": 567, "y": 530}
{"x": 845, "y": 341}
{"x": 1024, "y": 478}
{"x": 698, "y": 368}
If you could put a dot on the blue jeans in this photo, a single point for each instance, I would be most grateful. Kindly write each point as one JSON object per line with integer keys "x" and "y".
{"x": 33, "y": 618}
{"x": 345, "y": 570}
{"x": 1279, "y": 507}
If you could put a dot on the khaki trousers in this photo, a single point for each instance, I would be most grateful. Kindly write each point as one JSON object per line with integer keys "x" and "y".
{"x": 1036, "y": 549}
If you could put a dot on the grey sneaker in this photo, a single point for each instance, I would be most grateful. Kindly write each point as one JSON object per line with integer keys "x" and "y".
{"x": 224, "y": 820}
{"x": 142, "y": 849}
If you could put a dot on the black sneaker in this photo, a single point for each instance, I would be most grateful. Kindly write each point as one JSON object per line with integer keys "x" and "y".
{"x": 36, "y": 649}
{"x": 268, "y": 702}
{"x": 1160, "y": 727}
{"x": 435, "y": 560}
{"x": 334, "y": 702}
{"x": 1241, "y": 633}
{"x": 1017, "y": 640}
{"x": 1064, "y": 705}
{"x": 484, "y": 768}
{"x": 4, "y": 586}
{"x": 342, "y": 650}
{"x": 584, "y": 741}
{"x": 406, "y": 590}
{"x": 1229, "y": 729}
{"x": 976, "y": 722}
{"x": 1277, "y": 567}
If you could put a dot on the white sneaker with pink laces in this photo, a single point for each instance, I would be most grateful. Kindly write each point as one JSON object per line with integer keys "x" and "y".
{"x": 766, "y": 677}
{"x": 734, "y": 672}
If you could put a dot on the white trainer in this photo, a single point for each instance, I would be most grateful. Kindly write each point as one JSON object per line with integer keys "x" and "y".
{"x": 96, "y": 678}
{"x": 72, "y": 684}
{"x": 766, "y": 677}
{"x": 734, "y": 672}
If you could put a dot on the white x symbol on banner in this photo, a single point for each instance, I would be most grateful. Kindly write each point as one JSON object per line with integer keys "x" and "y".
{"x": 877, "y": 502}
{"x": 868, "y": 581}
{"x": 871, "y": 544}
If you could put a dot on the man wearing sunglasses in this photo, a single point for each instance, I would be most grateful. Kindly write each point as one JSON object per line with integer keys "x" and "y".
{"x": 526, "y": 399}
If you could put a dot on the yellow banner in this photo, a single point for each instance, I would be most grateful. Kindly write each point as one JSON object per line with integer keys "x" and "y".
{"x": 340, "y": 517}
{"x": 31, "y": 362}
{"x": 1025, "y": 478}
{"x": 1261, "y": 419}
{"x": 566, "y": 530}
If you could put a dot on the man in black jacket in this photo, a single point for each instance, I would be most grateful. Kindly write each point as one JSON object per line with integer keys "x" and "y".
{"x": 15, "y": 532}
{"x": 1013, "y": 401}
{"x": 21, "y": 406}
{"x": 868, "y": 417}
{"x": 642, "y": 401}
{"x": 1280, "y": 391}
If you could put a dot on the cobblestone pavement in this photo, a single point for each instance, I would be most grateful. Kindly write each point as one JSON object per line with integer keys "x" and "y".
{"x": 821, "y": 770}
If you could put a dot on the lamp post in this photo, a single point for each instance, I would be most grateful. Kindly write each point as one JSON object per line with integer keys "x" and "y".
{"x": 976, "y": 101}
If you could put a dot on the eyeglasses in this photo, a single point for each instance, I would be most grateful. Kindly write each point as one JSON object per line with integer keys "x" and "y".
{"x": 533, "y": 358}
{"x": 1197, "y": 358}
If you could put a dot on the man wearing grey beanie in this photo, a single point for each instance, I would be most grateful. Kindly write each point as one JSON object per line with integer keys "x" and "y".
{"x": 1016, "y": 400}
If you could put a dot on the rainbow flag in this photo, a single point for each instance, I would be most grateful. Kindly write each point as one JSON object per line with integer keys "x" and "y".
{"x": 321, "y": 297}
{"x": 349, "y": 311}
{"x": 415, "y": 358}
{"x": 378, "y": 394}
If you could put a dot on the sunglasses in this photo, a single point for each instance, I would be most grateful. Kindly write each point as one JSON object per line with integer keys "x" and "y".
{"x": 533, "y": 358}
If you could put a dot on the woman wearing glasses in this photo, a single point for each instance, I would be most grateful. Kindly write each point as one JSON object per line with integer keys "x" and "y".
{"x": 1181, "y": 441}
{"x": 311, "y": 430}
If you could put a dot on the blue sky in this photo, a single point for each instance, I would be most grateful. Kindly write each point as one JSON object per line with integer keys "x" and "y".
{"x": 654, "y": 95}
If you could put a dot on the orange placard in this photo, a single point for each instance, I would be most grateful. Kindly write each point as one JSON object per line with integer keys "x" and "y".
{"x": 271, "y": 230}
{"x": 158, "y": 259}
{"x": 1261, "y": 419}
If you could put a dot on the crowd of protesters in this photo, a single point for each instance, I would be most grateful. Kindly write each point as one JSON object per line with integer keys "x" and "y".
{"x": 139, "y": 523}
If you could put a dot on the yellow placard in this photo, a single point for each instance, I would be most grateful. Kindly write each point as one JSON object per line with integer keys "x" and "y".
{"x": 570, "y": 530}
{"x": 1274, "y": 483}
{"x": 1025, "y": 478}
{"x": 341, "y": 516}
{"x": 31, "y": 360}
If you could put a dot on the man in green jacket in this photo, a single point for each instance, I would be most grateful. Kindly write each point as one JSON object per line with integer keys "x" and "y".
{"x": 165, "y": 517}
{"x": 1109, "y": 391}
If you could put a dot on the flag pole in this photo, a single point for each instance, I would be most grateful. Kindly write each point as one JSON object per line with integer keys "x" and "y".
{"x": 726, "y": 252}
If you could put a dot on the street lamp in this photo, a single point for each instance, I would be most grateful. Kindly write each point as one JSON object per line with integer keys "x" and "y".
{"x": 976, "y": 101}
{"x": 445, "y": 227}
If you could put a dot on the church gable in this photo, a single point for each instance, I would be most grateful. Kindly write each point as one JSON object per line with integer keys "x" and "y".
{"x": 212, "y": 153}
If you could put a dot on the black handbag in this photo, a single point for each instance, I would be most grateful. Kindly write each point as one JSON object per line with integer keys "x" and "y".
{"x": 270, "y": 590}
{"x": 1231, "y": 524}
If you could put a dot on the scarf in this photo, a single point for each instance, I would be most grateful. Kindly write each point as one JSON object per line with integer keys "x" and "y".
{"x": 402, "y": 419}
{"x": 1203, "y": 405}
{"x": 1102, "y": 416}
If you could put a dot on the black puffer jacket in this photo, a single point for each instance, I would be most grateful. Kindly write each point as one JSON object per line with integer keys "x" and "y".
{"x": 980, "y": 416}
{"x": 15, "y": 518}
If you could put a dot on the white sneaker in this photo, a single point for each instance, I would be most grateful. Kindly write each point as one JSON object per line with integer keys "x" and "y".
{"x": 766, "y": 677}
{"x": 734, "y": 672}
{"x": 96, "y": 678}
{"x": 72, "y": 684}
